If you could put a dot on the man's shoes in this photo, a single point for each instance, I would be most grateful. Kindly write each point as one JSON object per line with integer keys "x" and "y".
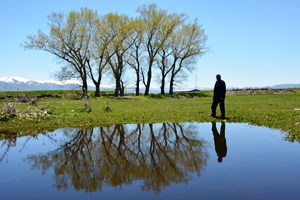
{"x": 222, "y": 117}
{"x": 212, "y": 115}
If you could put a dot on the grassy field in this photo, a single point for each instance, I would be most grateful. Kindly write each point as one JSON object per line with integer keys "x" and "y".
{"x": 58, "y": 109}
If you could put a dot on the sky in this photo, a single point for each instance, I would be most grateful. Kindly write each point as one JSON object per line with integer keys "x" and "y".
{"x": 252, "y": 43}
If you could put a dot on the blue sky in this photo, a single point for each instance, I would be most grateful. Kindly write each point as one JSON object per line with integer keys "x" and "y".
{"x": 252, "y": 43}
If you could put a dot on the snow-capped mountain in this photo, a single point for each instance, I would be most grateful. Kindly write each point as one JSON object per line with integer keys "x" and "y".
{"x": 22, "y": 84}
{"x": 17, "y": 83}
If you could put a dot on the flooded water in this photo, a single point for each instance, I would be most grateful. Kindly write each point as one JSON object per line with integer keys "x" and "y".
{"x": 152, "y": 161}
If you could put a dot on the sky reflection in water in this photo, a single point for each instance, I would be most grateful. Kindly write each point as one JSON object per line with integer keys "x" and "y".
{"x": 152, "y": 161}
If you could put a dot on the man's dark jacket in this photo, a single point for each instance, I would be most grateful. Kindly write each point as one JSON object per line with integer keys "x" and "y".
{"x": 220, "y": 90}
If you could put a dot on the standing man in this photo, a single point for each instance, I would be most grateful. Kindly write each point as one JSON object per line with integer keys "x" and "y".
{"x": 219, "y": 97}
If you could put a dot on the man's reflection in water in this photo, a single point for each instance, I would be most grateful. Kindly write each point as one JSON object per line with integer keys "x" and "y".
{"x": 220, "y": 141}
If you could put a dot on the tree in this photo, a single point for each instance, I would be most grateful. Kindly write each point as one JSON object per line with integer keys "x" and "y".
{"x": 136, "y": 54}
{"x": 88, "y": 46}
{"x": 155, "y": 21}
{"x": 69, "y": 40}
{"x": 121, "y": 27}
{"x": 164, "y": 59}
{"x": 189, "y": 43}
{"x": 102, "y": 38}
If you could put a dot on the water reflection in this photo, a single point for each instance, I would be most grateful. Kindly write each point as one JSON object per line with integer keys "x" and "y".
{"x": 158, "y": 154}
{"x": 220, "y": 141}
{"x": 6, "y": 145}
{"x": 148, "y": 157}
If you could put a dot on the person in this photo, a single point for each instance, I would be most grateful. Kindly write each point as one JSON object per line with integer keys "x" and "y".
{"x": 220, "y": 141}
{"x": 219, "y": 97}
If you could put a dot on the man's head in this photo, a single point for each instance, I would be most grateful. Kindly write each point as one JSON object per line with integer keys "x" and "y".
{"x": 218, "y": 77}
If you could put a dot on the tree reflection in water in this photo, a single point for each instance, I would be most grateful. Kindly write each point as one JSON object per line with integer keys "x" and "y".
{"x": 6, "y": 145}
{"x": 158, "y": 154}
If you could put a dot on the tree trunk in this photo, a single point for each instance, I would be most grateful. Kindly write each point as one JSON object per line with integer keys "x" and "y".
{"x": 137, "y": 89}
{"x": 171, "y": 85}
{"x": 149, "y": 76}
{"x": 84, "y": 87}
{"x": 122, "y": 89}
{"x": 162, "y": 87}
{"x": 97, "y": 84}
{"x": 118, "y": 87}
{"x": 97, "y": 91}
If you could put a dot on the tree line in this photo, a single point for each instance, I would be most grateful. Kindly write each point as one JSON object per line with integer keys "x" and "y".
{"x": 90, "y": 46}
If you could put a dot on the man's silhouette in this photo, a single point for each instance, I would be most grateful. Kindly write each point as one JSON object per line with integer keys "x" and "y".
{"x": 219, "y": 97}
{"x": 220, "y": 141}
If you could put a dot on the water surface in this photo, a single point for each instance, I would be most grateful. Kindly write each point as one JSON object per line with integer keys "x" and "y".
{"x": 152, "y": 161}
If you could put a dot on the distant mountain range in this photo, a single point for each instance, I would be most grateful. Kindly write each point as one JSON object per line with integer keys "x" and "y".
{"x": 21, "y": 84}
{"x": 283, "y": 86}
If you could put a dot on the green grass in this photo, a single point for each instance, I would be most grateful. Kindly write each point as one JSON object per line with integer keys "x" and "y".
{"x": 66, "y": 110}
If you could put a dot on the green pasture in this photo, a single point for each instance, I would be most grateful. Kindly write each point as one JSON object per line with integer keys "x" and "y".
{"x": 59, "y": 109}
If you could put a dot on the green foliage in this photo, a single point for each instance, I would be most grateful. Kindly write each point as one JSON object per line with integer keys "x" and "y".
{"x": 192, "y": 94}
{"x": 40, "y": 94}
{"x": 182, "y": 95}
{"x": 156, "y": 96}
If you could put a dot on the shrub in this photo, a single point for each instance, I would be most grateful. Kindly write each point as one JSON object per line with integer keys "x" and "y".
{"x": 107, "y": 107}
{"x": 8, "y": 111}
{"x": 156, "y": 96}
